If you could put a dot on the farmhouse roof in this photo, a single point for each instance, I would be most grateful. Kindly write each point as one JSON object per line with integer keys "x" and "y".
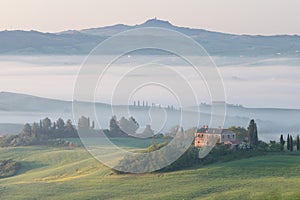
{"x": 214, "y": 130}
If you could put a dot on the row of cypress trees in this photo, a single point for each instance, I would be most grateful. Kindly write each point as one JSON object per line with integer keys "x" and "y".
{"x": 290, "y": 142}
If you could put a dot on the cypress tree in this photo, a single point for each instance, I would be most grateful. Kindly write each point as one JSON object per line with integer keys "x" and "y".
{"x": 281, "y": 143}
{"x": 255, "y": 135}
{"x": 252, "y": 133}
{"x": 288, "y": 142}
{"x": 291, "y": 144}
{"x": 298, "y": 143}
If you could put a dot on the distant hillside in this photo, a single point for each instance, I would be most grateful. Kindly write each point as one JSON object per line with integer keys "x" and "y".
{"x": 7, "y": 129}
{"x": 20, "y": 108}
{"x": 12, "y": 102}
{"x": 83, "y": 41}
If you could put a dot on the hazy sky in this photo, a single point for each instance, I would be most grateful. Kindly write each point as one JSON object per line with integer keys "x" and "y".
{"x": 232, "y": 16}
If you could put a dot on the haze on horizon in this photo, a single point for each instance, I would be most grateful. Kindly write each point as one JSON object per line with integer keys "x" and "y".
{"x": 269, "y": 17}
{"x": 250, "y": 85}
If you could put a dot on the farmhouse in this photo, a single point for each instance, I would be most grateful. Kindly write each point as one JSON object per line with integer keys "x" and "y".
{"x": 205, "y": 136}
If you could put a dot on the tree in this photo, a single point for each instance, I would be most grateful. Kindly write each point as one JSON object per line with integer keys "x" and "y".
{"x": 69, "y": 130}
{"x": 148, "y": 131}
{"x": 60, "y": 124}
{"x": 252, "y": 133}
{"x": 291, "y": 144}
{"x": 35, "y": 130}
{"x": 46, "y": 123}
{"x": 84, "y": 123}
{"x": 128, "y": 126}
{"x": 282, "y": 142}
{"x": 241, "y": 132}
{"x": 26, "y": 130}
{"x": 93, "y": 125}
{"x": 114, "y": 129}
{"x": 113, "y": 125}
{"x": 288, "y": 142}
{"x": 298, "y": 143}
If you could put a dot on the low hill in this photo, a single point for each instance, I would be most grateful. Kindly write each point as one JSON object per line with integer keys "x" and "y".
{"x": 23, "y": 102}
{"x": 54, "y": 173}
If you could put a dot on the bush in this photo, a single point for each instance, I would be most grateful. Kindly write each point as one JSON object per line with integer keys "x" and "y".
{"x": 222, "y": 154}
{"x": 9, "y": 168}
{"x": 138, "y": 163}
{"x": 61, "y": 143}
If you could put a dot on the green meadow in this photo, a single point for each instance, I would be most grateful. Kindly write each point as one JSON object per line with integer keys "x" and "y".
{"x": 62, "y": 173}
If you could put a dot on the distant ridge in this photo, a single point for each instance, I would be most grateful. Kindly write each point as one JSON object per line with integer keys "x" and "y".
{"x": 10, "y": 101}
{"x": 74, "y": 42}
{"x": 15, "y": 99}
{"x": 20, "y": 108}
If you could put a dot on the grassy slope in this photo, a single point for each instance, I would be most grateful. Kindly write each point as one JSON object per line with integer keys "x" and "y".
{"x": 55, "y": 173}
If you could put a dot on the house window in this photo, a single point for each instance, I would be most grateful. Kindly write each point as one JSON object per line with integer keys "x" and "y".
{"x": 232, "y": 136}
{"x": 228, "y": 136}
{"x": 223, "y": 136}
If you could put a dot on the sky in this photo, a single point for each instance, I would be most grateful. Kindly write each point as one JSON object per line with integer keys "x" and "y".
{"x": 264, "y": 17}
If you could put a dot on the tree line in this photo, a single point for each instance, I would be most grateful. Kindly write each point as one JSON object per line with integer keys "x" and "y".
{"x": 40, "y": 132}
{"x": 290, "y": 143}
{"x": 127, "y": 127}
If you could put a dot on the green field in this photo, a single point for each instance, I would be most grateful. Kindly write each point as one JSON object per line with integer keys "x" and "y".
{"x": 58, "y": 173}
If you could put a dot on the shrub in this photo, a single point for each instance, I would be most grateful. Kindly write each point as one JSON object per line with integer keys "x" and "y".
{"x": 9, "y": 168}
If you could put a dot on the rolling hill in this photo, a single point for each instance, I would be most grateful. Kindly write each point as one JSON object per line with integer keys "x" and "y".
{"x": 57, "y": 173}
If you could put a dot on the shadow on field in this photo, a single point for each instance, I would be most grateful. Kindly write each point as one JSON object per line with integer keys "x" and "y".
{"x": 28, "y": 166}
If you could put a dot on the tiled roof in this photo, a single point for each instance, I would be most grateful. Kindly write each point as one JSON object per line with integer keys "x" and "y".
{"x": 214, "y": 131}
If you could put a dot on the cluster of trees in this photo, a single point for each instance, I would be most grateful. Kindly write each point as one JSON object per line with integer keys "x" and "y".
{"x": 290, "y": 143}
{"x": 85, "y": 123}
{"x": 127, "y": 127}
{"x": 223, "y": 153}
{"x": 144, "y": 104}
{"x": 241, "y": 133}
{"x": 8, "y": 168}
{"x": 40, "y": 133}
{"x": 248, "y": 135}
{"x": 141, "y": 104}
{"x": 45, "y": 130}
